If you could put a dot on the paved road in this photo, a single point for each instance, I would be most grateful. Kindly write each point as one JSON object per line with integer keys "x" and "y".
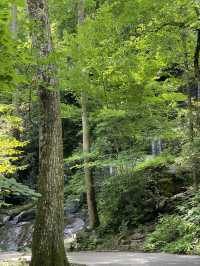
{"x": 121, "y": 259}
{"x": 132, "y": 259}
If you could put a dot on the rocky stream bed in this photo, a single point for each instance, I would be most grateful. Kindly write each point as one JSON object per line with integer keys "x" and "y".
{"x": 16, "y": 226}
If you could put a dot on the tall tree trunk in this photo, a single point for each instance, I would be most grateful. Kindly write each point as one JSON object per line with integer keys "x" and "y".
{"x": 197, "y": 76}
{"x": 194, "y": 172}
{"x": 13, "y": 26}
{"x": 48, "y": 242}
{"x": 15, "y": 94}
{"x": 89, "y": 180}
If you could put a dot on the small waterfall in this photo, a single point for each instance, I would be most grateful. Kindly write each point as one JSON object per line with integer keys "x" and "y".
{"x": 16, "y": 231}
{"x": 156, "y": 147}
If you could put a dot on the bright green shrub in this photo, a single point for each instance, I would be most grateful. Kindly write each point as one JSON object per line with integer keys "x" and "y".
{"x": 174, "y": 234}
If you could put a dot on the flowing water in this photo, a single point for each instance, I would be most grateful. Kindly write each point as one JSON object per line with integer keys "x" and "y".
{"x": 16, "y": 232}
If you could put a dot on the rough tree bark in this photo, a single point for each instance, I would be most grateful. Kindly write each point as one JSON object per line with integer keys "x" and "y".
{"x": 48, "y": 242}
{"x": 89, "y": 181}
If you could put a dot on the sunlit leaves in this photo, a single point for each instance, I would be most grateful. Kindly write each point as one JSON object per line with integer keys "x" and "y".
{"x": 10, "y": 147}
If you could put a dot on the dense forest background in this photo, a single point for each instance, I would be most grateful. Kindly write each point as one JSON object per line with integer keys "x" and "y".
{"x": 128, "y": 76}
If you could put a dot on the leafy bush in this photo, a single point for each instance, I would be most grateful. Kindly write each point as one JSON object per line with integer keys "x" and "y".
{"x": 190, "y": 208}
{"x": 75, "y": 185}
{"x": 174, "y": 234}
{"x": 179, "y": 233}
{"x": 12, "y": 187}
{"x": 87, "y": 240}
{"x": 153, "y": 162}
{"x": 127, "y": 200}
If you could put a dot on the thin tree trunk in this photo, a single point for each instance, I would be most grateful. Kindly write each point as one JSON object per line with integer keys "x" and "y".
{"x": 13, "y": 26}
{"x": 89, "y": 180}
{"x": 190, "y": 109}
{"x": 191, "y": 136}
{"x": 197, "y": 76}
{"x": 15, "y": 94}
{"x": 48, "y": 241}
